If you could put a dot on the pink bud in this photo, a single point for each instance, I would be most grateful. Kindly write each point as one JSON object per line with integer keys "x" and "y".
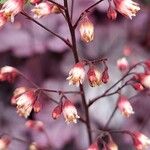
{"x": 105, "y": 76}
{"x": 37, "y": 106}
{"x": 111, "y": 13}
{"x": 36, "y": 125}
{"x": 57, "y": 112}
{"x": 137, "y": 86}
{"x": 93, "y": 146}
{"x": 125, "y": 106}
{"x": 122, "y": 64}
{"x": 35, "y": 1}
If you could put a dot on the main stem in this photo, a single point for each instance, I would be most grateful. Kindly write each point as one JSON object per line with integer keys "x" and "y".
{"x": 76, "y": 58}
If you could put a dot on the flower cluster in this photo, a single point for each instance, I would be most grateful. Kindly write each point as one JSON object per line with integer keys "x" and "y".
{"x": 95, "y": 77}
{"x": 68, "y": 110}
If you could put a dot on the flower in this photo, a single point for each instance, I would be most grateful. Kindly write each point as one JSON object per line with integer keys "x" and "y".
{"x": 140, "y": 140}
{"x": 94, "y": 76}
{"x": 86, "y": 30}
{"x": 76, "y": 74}
{"x": 34, "y": 146}
{"x": 125, "y": 106}
{"x": 35, "y": 1}
{"x": 93, "y": 146}
{"x": 11, "y": 8}
{"x": 127, "y": 7}
{"x": 3, "y": 19}
{"x": 56, "y": 112}
{"x": 122, "y": 64}
{"x": 36, "y": 125}
{"x": 111, "y": 13}
{"x": 25, "y": 103}
{"x": 70, "y": 112}
{"x": 8, "y": 73}
{"x": 4, "y": 142}
{"x": 44, "y": 9}
{"x": 145, "y": 80}
{"x": 111, "y": 145}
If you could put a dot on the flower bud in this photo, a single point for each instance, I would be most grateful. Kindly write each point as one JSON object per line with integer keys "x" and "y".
{"x": 76, "y": 74}
{"x": 37, "y": 106}
{"x": 122, "y": 64}
{"x": 86, "y": 30}
{"x": 8, "y": 73}
{"x": 56, "y": 112}
{"x": 94, "y": 76}
{"x": 35, "y": 1}
{"x": 140, "y": 140}
{"x": 70, "y": 112}
{"x": 111, "y": 13}
{"x": 105, "y": 76}
{"x": 125, "y": 106}
{"x": 36, "y": 125}
{"x": 137, "y": 86}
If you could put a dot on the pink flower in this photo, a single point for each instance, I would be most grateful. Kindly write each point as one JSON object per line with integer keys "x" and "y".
{"x": 137, "y": 86}
{"x": 35, "y": 1}
{"x": 125, "y": 106}
{"x": 25, "y": 103}
{"x": 76, "y": 74}
{"x": 86, "y": 30}
{"x": 122, "y": 64}
{"x": 36, "y": 125}
{"x": 94, "y": 76}
{"x": 44, "y": 9}
{"x": 12, "y": 8}
{"x": 70, "y": 112}
{"x": 140, "y": 140}
{"x": 127, "y": 7}
{"x": 93, "y": 146}
{"x": 8, "y": 73}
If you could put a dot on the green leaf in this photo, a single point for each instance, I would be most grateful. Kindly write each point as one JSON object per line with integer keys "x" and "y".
{"x": 2, "y": 1}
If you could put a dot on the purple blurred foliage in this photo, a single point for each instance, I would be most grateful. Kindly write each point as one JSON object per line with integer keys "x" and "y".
{"x": 46, "y": 61}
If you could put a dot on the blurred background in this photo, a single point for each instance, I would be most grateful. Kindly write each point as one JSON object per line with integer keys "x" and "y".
{"x": 46, "y": 61}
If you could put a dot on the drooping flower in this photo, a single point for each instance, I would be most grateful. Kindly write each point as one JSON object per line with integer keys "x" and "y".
{"x": 57, "y": 112}
{"x": 94, "y": 76}
{"x": 127, "y": 8}
{"x": 8, "y": 73}
{"x": 25, "y": 103}
{"x": 125, "y": 106}
{"x": 11, "y": 8}
{"x": 34, "y": 124}
{"x": 4, "y": 142}
{"x": 140, "y": 141}
{"x": 76, "y": 74}
{"x": 122, "y": 64}
{"x": 93, "y": 146}
{"x": 70, "y": 112}
{"x": 44, "y": 9}
{"x": 86, "y": 30}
